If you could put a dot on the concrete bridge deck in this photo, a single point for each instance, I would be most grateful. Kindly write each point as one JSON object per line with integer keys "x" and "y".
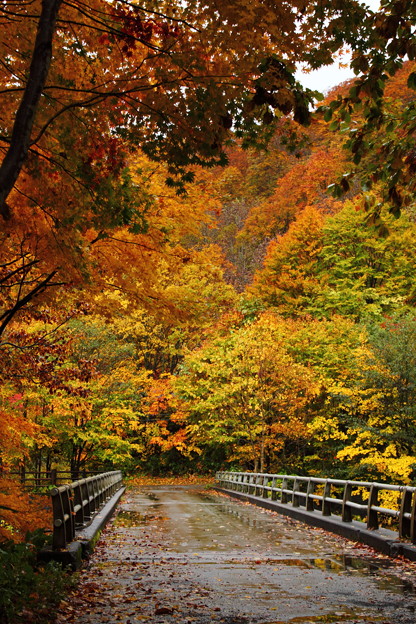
{"x": 190, "y": 555}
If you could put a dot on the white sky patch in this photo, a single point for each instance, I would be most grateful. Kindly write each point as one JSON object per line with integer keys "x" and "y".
{"x": 330, "y": 76}
{"x": 324, "y": 78}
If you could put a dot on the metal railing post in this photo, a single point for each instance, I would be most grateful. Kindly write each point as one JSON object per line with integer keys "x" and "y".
{"x": 295, "y": 497}
{"x": 346, "y": 513}
{"x": 257, "y": 488}
{"x": 405, "y": 513}
{"x": 59, "y": 531}
{"x": 372, "y": 514}
{"x": 413, "y": 521}
{"x": 326, "y": 504}
{"x": 78, "y": 504}
{"x": 265, "y": 492}
{"x": 310, "y": 506}
{"x": 273, "y": 494}
{"x": 284, "y": 495}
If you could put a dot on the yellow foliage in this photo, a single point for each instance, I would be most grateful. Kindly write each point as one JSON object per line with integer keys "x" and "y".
{"x": 324, "y": 428}
{"x": 396, "y": 467}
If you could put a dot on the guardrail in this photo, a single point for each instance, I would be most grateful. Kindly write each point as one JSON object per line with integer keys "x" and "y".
{"x": 75, "y": 504}
{"x": 39, "y": 478}
{"x": 330, "y": 496}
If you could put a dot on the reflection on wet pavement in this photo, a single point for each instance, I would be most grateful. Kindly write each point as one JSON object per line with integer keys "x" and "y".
{"x": 179, "y": 554}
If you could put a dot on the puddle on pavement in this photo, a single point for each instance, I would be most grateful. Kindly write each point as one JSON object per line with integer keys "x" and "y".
{"x": 351, "y": 566}
{"x": 152, "y": 496}
{"x": 366, "y": 566}
{"x": 334, "y": 567}
{"x": 331, "y": 618}
{"x": 128, "y": 518}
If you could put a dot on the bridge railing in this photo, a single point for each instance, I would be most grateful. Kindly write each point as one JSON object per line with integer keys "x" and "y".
{"x": 331, "y": 496}
{"x": 43, "y": 478}
{"x": 75, "y": 504}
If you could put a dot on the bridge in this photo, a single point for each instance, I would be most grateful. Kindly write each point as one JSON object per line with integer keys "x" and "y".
{"x": 195, "y": 555}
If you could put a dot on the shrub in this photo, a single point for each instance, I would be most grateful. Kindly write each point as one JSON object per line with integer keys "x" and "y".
{"x": 31, "y": 591}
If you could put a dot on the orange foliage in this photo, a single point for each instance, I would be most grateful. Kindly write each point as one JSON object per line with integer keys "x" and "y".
{"x": 238, "y": 158}
{"x": 20, "y": 511}
{"x": 184, "y": 480}
{"x": 13, "y": 426}
{"x": 304, "y": 184}
{"x": 396, "y": 87}
{"x": 164, "y": 408}
{"x": 288, "y": 279}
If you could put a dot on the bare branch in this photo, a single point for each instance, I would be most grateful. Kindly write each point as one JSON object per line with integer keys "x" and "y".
{"x": 35, "y": 292}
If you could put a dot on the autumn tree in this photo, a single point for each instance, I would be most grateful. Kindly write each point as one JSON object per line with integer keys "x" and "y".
{"x": 81, "y": 384}
{"x": 86, "y": 83}
{"x": 289, "y": 278}
{"x": 305, "y": 184}
{"x": 247, "y": 395}
{"x": 334, "y": 349}
{"x": 340, "y": 265}
{"x": 380, "y": 128}
{"x": 166, "y": 437}
{"x": 147, "y": 63}
{"x": 380, "y": 439}
{"x": 368, "y": 275}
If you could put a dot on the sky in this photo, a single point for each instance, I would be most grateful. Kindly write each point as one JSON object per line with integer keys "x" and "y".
{"x": 325, "y": 78}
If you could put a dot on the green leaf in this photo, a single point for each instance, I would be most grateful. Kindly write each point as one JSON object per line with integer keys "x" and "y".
{"x": 335, "y": 190}
{"x": 345, "y": 116}
{"x": 328, "y": 114}
{"x": 411, "y": 81}
{"x": 317, "y": 95}
{"x": 345, "y": 185}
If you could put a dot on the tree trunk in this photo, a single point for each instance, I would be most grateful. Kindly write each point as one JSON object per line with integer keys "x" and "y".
{"x": 262, "y": 454}
{"x": 25, "y": 116}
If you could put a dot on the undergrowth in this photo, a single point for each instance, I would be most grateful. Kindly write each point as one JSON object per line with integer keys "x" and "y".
{"x": 30, "y": 590}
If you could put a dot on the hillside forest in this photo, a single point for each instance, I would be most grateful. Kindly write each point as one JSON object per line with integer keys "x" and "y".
{"x": 203, "y": 265}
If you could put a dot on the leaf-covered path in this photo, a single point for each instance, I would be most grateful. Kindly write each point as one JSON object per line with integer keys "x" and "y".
{"x": 185, "y": 554}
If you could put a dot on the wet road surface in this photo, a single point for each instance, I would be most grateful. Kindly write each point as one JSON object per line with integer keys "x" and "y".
{"x": 185, "y": 554}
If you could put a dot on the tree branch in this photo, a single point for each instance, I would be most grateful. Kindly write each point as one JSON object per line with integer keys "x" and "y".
{"x": 9, "y": 314}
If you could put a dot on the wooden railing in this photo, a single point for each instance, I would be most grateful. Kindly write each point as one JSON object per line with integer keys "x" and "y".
{"x": 330, "y": 496}
{"x": 75, "y": 504}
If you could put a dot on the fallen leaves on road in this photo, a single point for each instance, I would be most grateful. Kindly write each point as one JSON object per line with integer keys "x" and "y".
{"x": 183, "y": 480}
{"x": 139, "y": 573}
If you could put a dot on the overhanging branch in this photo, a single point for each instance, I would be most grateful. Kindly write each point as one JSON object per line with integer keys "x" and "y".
{"x": 20, "y": 303}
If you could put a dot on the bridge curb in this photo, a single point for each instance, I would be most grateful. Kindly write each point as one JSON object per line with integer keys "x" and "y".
{"x": 86, "y": 538}
{"x": 382, "y": 540}
{"x": 89, "y": 536}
